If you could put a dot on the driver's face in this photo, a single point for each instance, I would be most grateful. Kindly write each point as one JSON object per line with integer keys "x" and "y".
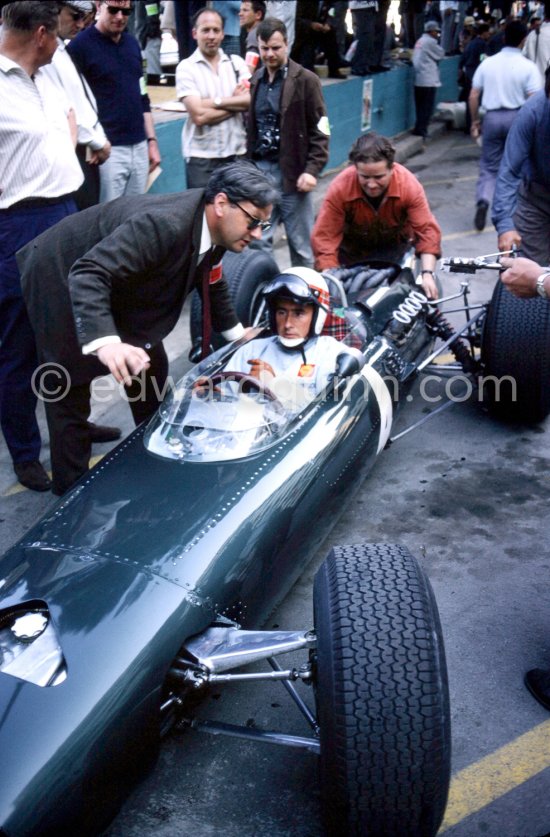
{"x": 292, "y": 320}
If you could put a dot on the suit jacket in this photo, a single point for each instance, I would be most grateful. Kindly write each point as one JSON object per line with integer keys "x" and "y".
{"x": 304, "y": 124}
{"x": 124, "y": 267}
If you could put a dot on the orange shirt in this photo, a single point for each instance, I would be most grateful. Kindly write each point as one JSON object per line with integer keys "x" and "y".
{"x": 348, "y": 229}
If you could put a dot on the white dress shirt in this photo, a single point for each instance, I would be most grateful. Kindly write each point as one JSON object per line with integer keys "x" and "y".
{"x": 37, "y": 158}
{"x": 64, "y": 74}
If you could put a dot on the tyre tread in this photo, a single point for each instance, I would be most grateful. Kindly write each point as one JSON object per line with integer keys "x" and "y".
{"x": 385, "y": 727}
{"x": 516, "y": 343}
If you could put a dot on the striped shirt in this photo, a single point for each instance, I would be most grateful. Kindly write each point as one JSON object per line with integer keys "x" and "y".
{"x": 37, "y": 158}
{"x": 195, "y": 77}
{"x": 64, "y": 73}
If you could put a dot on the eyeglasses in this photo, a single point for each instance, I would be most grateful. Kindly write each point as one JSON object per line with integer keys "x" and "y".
{"x": 76, "y": 15}
{"x": 254, "y": 223}
{"x": 113, "y": 10}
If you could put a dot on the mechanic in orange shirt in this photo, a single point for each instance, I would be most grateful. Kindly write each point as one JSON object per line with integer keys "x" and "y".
{"x": 374, "y": 209}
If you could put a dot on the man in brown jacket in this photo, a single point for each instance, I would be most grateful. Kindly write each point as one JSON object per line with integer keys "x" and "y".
{"x": 288, "y": 135}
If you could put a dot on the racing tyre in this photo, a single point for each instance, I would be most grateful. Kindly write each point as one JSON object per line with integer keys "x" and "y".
{"x": 515, "y": 349}
{"x": 382, "y": 694}
{"x": 245, "y": 272}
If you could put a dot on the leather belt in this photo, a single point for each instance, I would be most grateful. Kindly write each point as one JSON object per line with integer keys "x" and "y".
{"x": 35, "y": 203}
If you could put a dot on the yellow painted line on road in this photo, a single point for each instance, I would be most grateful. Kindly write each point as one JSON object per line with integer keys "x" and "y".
{"x": 487, "y": 780}
{"x": 17, "y": 488}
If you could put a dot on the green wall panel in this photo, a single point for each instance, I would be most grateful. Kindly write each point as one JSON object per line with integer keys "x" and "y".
{"x": 391, "y": 114}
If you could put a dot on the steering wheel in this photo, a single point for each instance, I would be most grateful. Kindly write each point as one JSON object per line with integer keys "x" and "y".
{"x": 246, "y": 383}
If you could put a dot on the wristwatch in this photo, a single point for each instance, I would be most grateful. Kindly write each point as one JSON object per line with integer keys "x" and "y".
{"x": 217, "y": 102}
{"x": 541, "y": 290}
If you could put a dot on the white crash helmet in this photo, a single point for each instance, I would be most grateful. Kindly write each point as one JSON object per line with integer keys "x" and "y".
{"x": 304, "y": 286}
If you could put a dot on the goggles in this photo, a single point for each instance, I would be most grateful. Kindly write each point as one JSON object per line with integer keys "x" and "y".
{"x": 298, "y": 289}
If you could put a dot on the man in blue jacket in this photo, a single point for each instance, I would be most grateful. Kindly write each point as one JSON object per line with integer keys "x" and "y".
{"x": 110, "y": 60}
{"x": 521, "y": 205}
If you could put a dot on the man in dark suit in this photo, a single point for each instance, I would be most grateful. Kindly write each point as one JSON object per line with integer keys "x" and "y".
{"x": 104, "y": 287}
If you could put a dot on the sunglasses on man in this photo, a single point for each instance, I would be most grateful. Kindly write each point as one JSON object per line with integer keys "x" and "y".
{"x": 113, "y": 10}
{"x": 254, "y": 222}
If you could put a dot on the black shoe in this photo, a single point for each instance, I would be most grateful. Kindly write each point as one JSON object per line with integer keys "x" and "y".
{"x": 537, "y": 681}
{"x": 32, "y": 475}
{"x": 481, "y": 215}
{"x": 101, "y": 433}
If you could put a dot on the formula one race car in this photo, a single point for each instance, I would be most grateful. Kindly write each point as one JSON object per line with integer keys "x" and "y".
{"x": 151, "y": 579}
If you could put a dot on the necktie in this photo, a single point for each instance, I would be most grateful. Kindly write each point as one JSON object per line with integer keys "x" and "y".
{"x": 210, "y": 259}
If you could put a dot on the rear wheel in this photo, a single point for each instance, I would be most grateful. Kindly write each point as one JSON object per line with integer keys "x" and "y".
{"x": 244, "y": 272}
{"x": 515, "y": 353}
{"x": 382, "y": 694}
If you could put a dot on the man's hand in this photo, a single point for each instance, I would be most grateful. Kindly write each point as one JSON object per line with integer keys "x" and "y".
{"x": 507, "y": 240}
{"x": 429, "y": 286}
{"x": 100, "y": 155}
{"x": 260, "y": 369}
{"x": 243, "y": 87}
{"x": 123, "y": 360}
{"x": 306, "y": 182}
{"x": 520, "y": 276}
{"x": 202, "y": 387}
{"x": 154, "y": 155}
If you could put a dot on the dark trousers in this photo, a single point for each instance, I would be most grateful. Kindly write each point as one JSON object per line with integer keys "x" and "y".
{"x": 70, "y": 442}
{"x": 18, "y": 359}
{"x": 305, "y": 50}
{"x": 199, "y": 169}
{"x": 532, "y": 220}
{"x": 88, "y": 194}
{"x": 364, "y": 21}
{"x": 424, "y": 100}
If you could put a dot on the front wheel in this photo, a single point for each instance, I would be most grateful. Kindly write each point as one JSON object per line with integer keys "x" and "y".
{"x": 382, "y": 694}
{"x": 515, "y": 353}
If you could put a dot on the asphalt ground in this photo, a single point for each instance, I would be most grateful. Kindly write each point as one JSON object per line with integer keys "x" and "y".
{"x": 469, "y": 497}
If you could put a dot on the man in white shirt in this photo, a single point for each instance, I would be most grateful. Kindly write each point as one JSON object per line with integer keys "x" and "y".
{"x": 214, "y": 89}
{"x": 506, "y": 81}
{"x": 537, "y": 45}
{"x": 93, "y": 147}
{"x": 39, "y": 173}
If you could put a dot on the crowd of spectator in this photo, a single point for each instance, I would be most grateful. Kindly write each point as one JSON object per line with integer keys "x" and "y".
{"x": 76, "y": 130}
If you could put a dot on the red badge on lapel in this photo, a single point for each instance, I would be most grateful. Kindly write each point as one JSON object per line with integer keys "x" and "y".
{"x": 215, "y": 273}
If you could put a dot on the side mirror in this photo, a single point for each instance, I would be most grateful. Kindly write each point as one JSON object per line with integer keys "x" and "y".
{"x": 348, "y": 364}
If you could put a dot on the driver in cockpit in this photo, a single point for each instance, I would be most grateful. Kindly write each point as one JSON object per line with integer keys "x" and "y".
{"x": 297, "y": 362}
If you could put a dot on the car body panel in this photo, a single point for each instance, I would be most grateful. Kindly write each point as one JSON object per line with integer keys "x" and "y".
{"x": 145, "y": 552}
